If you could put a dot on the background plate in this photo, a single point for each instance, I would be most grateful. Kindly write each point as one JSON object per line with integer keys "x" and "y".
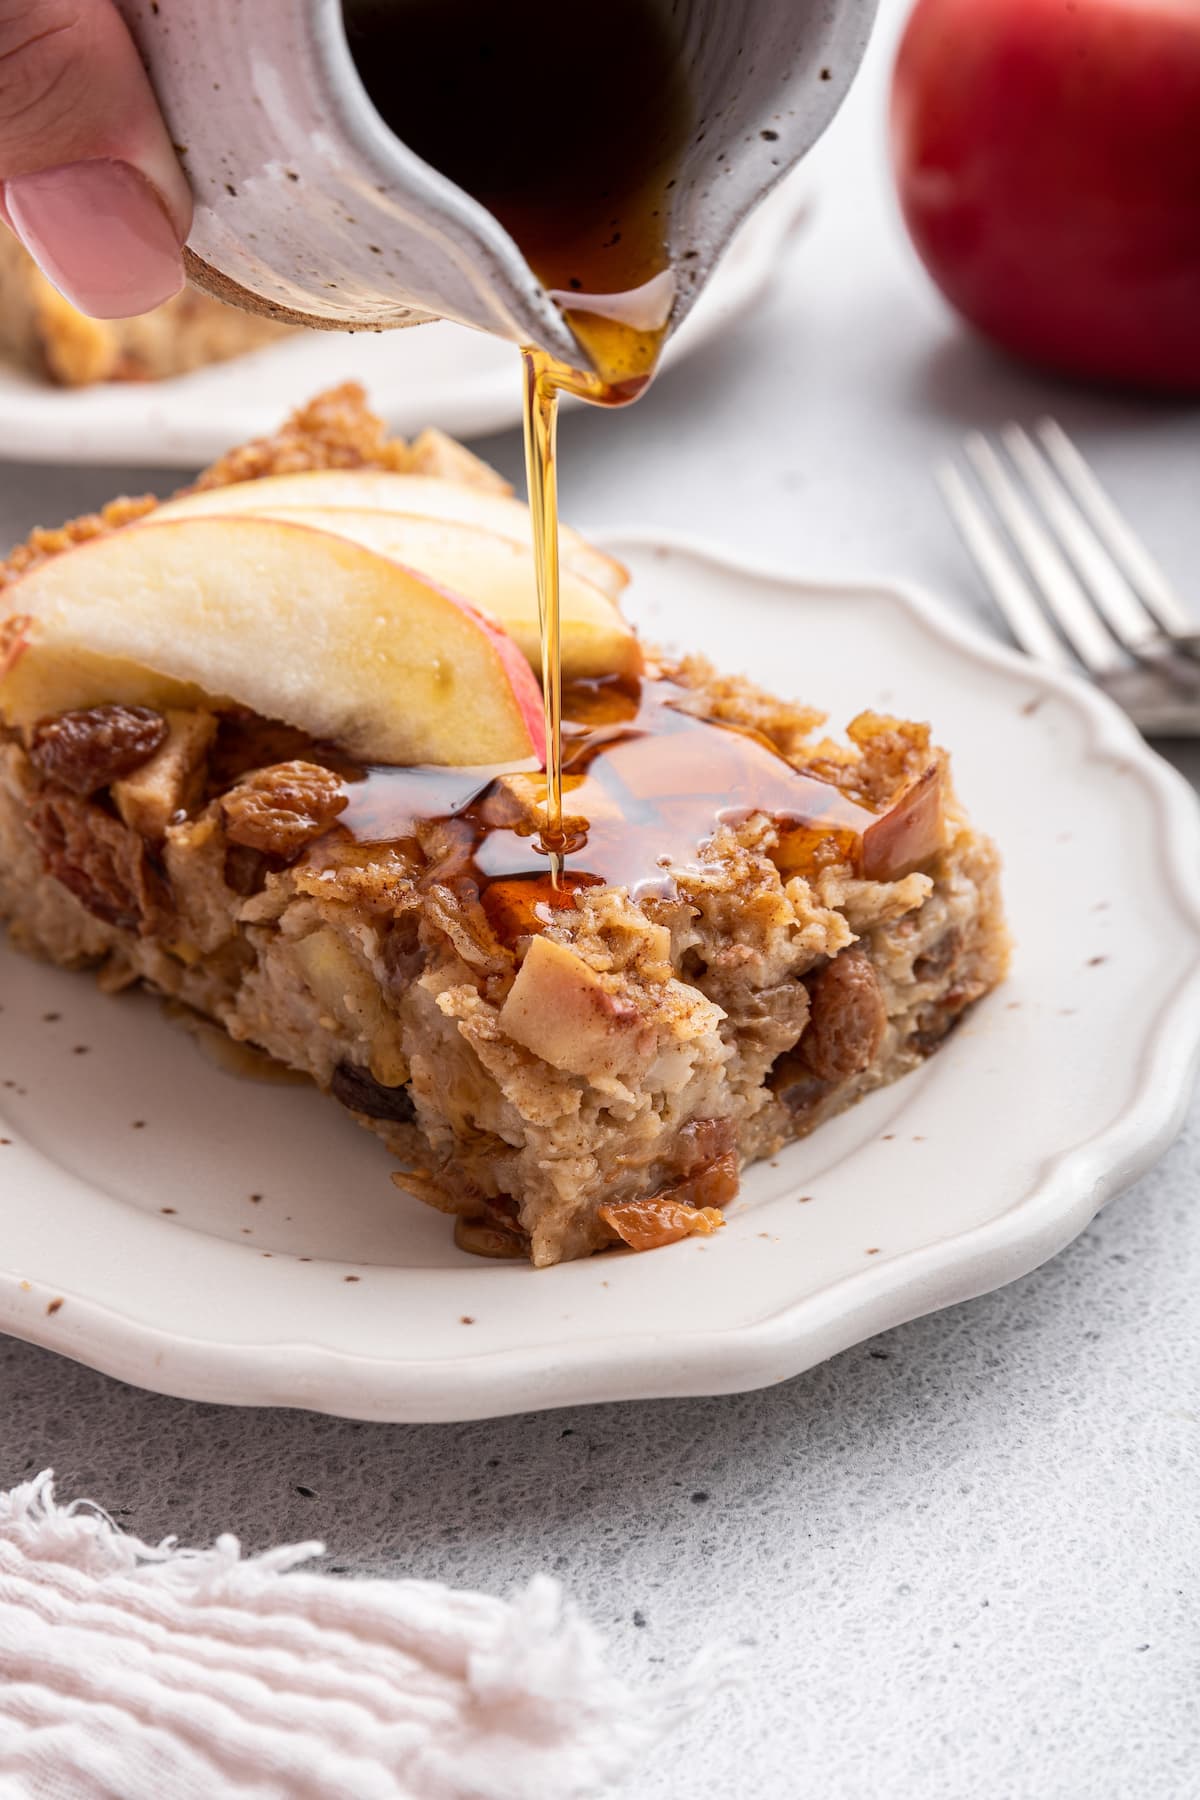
{"x": 464, "y": 381}
{"x": 223, "y": 1240}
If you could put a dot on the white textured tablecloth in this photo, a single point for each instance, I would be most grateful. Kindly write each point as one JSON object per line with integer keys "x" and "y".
{"x": 964, "y": 1558}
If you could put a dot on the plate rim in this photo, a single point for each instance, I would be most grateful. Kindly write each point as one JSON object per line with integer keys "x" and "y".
{"x": 71, "y": 428}
{"x": 1063, "y": 1196}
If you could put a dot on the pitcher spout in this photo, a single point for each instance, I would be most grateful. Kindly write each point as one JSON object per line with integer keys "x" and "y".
{"x": 315, "y": 204}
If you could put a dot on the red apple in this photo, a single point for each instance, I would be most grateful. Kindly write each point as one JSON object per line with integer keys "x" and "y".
{"x": 1047, "y": 154}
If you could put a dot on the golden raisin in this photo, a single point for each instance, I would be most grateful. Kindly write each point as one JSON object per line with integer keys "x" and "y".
{"x": 281, "y": 809}
{"x": 848, "y": 1018}
{"x": 86, "y": 750}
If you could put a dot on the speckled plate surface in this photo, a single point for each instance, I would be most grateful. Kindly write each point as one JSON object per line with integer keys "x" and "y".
{"x": 224, "y": 1240}
{"x": 464, "y": 381}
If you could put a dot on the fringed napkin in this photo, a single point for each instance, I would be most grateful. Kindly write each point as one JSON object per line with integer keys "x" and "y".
{"x": 151, "y": 1672}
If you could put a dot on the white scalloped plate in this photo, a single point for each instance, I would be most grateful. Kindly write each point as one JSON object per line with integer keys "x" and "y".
{"x": 221, "y": 1240}
{"x": 464, "y": 381}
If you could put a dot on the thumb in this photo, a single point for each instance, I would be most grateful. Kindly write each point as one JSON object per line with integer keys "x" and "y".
{"x": 89, "y": 181}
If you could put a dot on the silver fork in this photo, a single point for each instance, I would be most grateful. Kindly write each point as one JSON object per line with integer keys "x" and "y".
{"x": 1081, "y": 580}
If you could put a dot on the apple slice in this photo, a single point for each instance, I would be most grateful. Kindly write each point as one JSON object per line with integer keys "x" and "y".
{"x": 298, "y": 624}
{"x": 497, "y": 576}
{"x": 421, "y": 496}
{"x": 559, "y": 1008}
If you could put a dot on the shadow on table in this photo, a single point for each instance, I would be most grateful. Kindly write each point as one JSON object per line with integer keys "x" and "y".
{"x": 963, "y": 378}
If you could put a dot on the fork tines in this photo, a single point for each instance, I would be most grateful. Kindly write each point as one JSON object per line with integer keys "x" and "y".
{"x": 1077, "y": 561}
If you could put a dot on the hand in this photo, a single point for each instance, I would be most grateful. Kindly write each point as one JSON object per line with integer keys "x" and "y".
{"x": 89, "y": 181}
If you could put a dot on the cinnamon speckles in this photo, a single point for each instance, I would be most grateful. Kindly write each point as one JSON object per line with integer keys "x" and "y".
{"x": 137, "y": 1125}
{"x": 874, "y": 1251}
{"x": 4, "y": 1143}
{"x": 351, "y": 1278}
{"x": 1093, "y": 962}
{"x": 466, "y": 1319}
{"x": 81, "y": 1050}
{"x": 52, "y": 1306}
{"x": 256, "y": 1199}
{"x": 166, "y": 1209}
{"x": 51, "y": 1018}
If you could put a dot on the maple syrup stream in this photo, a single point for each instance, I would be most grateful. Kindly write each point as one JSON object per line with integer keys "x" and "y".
{"x": 545, "y": 379}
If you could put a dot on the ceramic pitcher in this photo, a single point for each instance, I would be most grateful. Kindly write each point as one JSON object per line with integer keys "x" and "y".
{"x": 308, "y": 208}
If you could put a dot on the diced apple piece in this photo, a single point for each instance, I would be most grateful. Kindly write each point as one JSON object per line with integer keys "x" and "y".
{"x": 910, "y": 833}
{"x": 149, "y": 798}
{"x": 420, "y": 496}
{"x": 560, "y": 1009}
{"x": 298, "y": 624}
{"x": 497, "y": 576}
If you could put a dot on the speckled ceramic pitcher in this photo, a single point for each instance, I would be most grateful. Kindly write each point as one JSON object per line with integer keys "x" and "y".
{"x": 310, "y": 209}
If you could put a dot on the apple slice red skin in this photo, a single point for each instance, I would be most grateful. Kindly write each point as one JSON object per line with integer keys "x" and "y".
{"x": 911, "y": 833}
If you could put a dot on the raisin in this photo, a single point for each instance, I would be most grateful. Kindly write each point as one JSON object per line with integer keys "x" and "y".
{"x": 480, "y": 1237}
{"x": 86, "y": 750}
{"x": 246, "y": 870}
{"x": 847, "y": 1021}
{"x": 940, "y": 958}
{"x": 660, "y": 1219}
{"x": 281, "y": 809}
{"x": 246, "y": 741}
{"x": 99, "y": 860}
{"x": 403, "y": 957}
{"x": 936, "y": 1021}
{"x": 796, "y": 1085}
{"x": 703, "y": 1142}
{"x": 358, "y": 1089}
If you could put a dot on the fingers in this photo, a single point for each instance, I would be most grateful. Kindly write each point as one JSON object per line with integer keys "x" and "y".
{"x": 88, "y": 177}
